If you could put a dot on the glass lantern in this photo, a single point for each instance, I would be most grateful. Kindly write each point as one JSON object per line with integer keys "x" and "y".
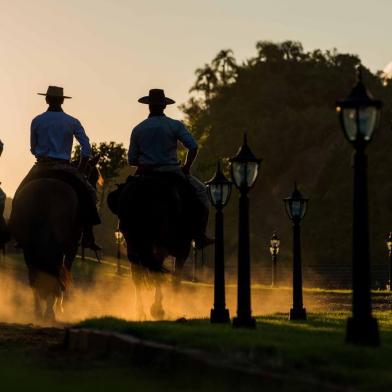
{"x": 389, "y": 242}
{"x": 118, "y": 236}
{"x": 244, "y": 167}
{"x": 275, "y": 243}
{"x": 219, "y": 188}
{"x": 296, "y": 205}
{"x": 359, "y": 113}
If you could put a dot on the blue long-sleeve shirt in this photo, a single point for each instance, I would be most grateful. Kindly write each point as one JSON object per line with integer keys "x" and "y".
{"x": 52, "y": 136}
{"x": 154, "y": 141}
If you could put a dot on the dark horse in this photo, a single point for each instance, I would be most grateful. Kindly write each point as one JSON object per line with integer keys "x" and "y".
{"x": 154, "y": 217}
{"x": 46, "y": 222}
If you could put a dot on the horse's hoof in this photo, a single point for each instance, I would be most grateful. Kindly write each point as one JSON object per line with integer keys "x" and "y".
{"x": 157, "y": 312}
{"x": 50, "y": 317}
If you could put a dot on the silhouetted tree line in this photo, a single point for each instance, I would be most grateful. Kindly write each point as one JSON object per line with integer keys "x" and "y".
{"x": 284, "y": 98}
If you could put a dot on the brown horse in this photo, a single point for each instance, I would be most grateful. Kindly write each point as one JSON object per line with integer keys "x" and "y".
{"x": 46, "y": 222}
{"x": 154, "y": 218}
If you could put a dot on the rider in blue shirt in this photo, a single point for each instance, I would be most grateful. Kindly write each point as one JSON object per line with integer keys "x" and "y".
{"x": 153, "y": 147}
{"x": 51, "y": 139}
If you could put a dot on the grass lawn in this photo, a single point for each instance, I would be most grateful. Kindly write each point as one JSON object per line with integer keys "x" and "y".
{"x": 34, "y": 359}
{"x": 297, "y": 350}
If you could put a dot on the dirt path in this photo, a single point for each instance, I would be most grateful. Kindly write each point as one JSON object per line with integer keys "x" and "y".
{"x": 30, "y": 337}
{"x": 34, "y": 358}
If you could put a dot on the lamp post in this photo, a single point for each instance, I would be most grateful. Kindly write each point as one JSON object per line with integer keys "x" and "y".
{"x": 274, "y": 250}
{"x": 359, "y": 115}
{"x": 119, "y": 239}
{"x": 244, "y": 172}
{"x": 389, "y": 247}
{"x": 219, "y": 190}
{"x": 194, "y": 261}
{"x": 296, "y": 206}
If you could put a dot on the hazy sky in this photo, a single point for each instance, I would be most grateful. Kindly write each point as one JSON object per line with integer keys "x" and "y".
{"x": 107, "y": 53}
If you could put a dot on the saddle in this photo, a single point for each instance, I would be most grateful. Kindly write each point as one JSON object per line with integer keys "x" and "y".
{"x": 172, "y": 179}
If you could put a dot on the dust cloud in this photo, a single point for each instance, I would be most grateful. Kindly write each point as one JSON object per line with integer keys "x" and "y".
{"x": 97, "y": 290}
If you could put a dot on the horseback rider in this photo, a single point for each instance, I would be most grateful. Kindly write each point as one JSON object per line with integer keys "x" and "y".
{"x": 51, "y": 140}
{"x": 153, "y": 148}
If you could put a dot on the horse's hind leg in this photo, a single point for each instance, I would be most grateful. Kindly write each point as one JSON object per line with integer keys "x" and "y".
{"x": 37, "y": 305}
{"x": 176, "y": 281}
{"x": 140, "y": 314}
{"x": 156, "y": 310}
{"x": 59, "y": 303}
{"x": 50, "y": 308}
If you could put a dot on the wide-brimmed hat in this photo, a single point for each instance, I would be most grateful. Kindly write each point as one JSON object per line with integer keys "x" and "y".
{"x": 156, "y": 96}
{"x": 54, "y": 91}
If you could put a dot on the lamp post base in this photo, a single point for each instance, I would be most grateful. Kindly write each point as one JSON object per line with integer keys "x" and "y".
{"x": 244, "y": 322}
{"x": 362, "y": 331}
{"x": 297, "y": 314}
{"x": 220, "y": 316}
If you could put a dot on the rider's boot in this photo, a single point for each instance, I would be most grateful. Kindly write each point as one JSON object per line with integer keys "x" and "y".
{"x": 88, "y": 239}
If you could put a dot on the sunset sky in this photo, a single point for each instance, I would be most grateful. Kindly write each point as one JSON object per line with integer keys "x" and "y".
{"x": 107, "y": 53}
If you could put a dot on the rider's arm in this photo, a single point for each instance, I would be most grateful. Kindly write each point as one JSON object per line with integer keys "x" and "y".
{"x": 85, "y": 148}
{"x": 33, "y": 138}
{"x": 84, "y": 141}
{"x": 190, "y": 157}
{"x": 133, "y": 151}
{"x": 189, "y": 142}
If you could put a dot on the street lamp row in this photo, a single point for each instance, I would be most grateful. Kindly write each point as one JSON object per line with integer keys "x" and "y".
{"x": 244, "y": 173}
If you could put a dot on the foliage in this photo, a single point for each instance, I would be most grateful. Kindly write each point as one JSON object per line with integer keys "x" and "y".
{"x": 284, "y": 98}
{"x": 112, "y": 158}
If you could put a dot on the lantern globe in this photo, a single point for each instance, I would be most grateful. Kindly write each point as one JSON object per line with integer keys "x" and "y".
{"x": 275, "y": 243}
{"x": 219, "y": 188}
{"x": 244, "y": 166}
{"x": 296, "y": 205}
{"x": 389, "y": 242}
{"x": 359, "y": 113}
{"x": 118, "y": 236}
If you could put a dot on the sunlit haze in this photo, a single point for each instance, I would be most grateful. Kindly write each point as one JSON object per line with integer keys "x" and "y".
{"x": 107, "y": 53}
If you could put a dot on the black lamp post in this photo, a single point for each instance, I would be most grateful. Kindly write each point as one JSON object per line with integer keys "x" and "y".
{"x": 244, "y": 172}
{"x": 274, "y": 250}
{"x": 359, "y": 117}
{"x": 296, "y": 207}
{"x": 219, "y": 190}
{"x": 119, "y": 239}
{"x": 389, "y": 247}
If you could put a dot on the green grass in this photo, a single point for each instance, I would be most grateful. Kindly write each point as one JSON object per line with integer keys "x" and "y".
{"x": 314, "y": 349}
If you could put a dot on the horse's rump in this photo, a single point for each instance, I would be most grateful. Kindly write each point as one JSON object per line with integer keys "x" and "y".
{"x": 45, "y": 222}
{"x": 69, "y": 175}
{"x": 154, "y": 215}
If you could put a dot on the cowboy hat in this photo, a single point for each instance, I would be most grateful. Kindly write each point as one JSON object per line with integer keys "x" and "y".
{"x": 156, "y": 96}
{"x": 54, "y": 91}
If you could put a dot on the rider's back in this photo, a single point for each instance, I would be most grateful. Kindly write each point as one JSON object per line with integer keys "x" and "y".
{"x": 54, "y": 133}
{"x": 154, "y": 141}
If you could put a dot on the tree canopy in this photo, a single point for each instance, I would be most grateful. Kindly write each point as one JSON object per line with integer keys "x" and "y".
{"x": 284, "y": 99}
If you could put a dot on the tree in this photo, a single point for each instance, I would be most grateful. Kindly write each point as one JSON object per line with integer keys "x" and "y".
{"x": 284, "y": 99}
{"x": 112, "y": 158}
{"x": 206, "y": 81}
{"x": 225, "y": 66}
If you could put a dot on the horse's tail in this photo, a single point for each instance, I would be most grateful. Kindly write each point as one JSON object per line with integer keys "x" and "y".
{"x": 41, "y": 250}
{"x": 44, "y": 225}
